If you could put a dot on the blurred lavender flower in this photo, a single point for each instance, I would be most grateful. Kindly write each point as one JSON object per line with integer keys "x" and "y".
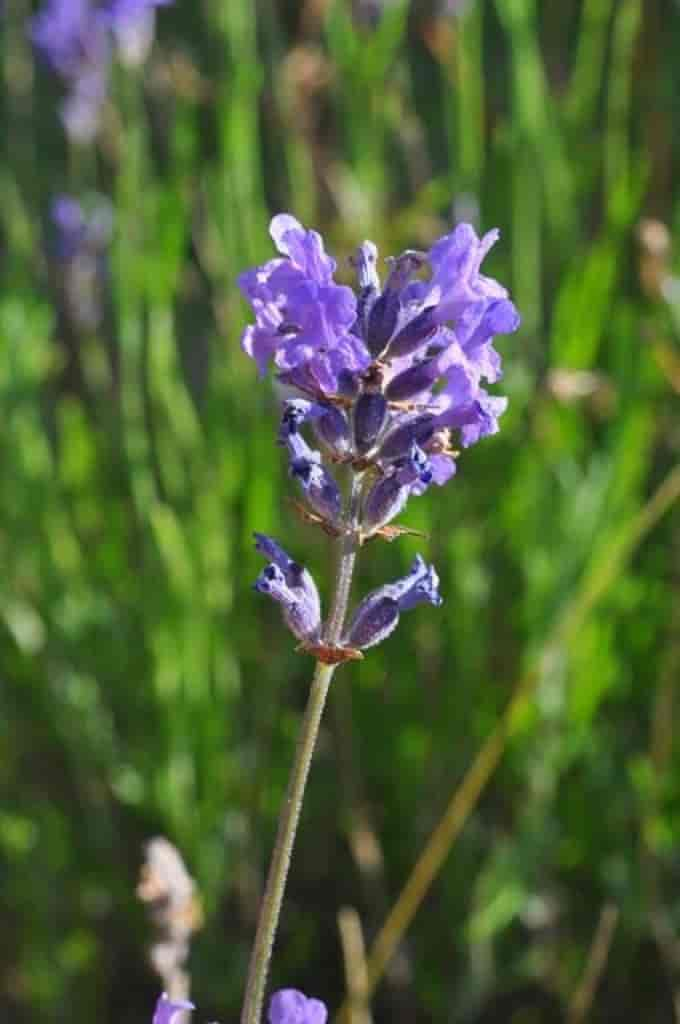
{"x": 71, "y": 36}
{"x": 78, "y": 249}
{"x": 170, "y": 891}
{"x": 133, "y": 23}
{"x": 74, "y": 38}
{"x": 288, "y": 1006}
{"x": 404, "y": 362}
{"x": 167, "y": 1009}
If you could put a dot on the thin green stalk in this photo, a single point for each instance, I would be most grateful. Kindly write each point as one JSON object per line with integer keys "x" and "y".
{"x": 283, "y": 848}
{"x": 292, "y": 806}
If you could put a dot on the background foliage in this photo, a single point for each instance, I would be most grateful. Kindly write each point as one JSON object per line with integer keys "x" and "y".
{"x": 144, "y": 688}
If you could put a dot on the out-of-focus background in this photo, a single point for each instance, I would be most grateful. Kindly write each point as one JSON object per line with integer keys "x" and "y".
{"x": 146, "y": 690}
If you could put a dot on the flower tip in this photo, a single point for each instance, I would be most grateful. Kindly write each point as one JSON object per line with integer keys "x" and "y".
{"x": 280, "y": 225}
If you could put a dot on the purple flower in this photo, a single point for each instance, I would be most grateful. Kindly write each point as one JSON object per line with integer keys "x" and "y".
{"x": 288, "y": 1006}
{"x": 166, "y": 1009}
{"x": 378, "y": 614}
{"x": 292, "y": 586}
{"x": 303, "y": 319}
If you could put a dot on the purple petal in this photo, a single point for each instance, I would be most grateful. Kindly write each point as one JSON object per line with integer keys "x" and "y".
{"x": 304, "y": 248}
{"x": 288, "y": 1006}
{"x": 167, "y": 1008}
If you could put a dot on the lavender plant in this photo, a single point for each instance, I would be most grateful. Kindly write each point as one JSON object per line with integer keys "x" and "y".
{"x": 385, "y": 383}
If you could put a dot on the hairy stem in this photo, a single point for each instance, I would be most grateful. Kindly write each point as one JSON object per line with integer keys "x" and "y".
{"x": 280, "y": 863}
{"x": 292, "y": 806}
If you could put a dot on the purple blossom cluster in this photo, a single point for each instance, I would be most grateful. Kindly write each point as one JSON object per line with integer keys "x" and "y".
{"x": 75, "y": 39}
{"x": 389, "y": 380}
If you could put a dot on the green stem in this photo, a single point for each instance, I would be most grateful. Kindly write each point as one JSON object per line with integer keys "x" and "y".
{"x": 292, "y": 806}
{"x": 280, "y": 863}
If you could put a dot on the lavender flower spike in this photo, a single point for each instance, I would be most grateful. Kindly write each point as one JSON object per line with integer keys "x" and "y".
{"x": 378, "y": 614}
{"x": 292, "y": 586}
{"x": 71, "y": 37}
{"x": 166, "y": 1009}
{"x": 288, "y": 1006}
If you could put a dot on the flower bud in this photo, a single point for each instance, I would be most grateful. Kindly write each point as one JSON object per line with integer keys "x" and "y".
{"x": 397, "y": 444}
{"x": 319, "y": 487}
{"x": 389, "y": 495}
{"x": 332, "y": 429}
{"x": 378, "y": 614}
{"x": 292, "y": 586}
{"x": 416, "y": 333}
{"x": 413, "y": 381}
{"x": 373, "y": 622}
{"x": 383, "y": 502}
{"x": 369, "y": 417}
{"x": 382, "y": 321}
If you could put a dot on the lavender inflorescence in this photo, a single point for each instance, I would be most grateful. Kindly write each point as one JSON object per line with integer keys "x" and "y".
{"x": 77, "y": 39}
{"x": 388, "y": 381}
